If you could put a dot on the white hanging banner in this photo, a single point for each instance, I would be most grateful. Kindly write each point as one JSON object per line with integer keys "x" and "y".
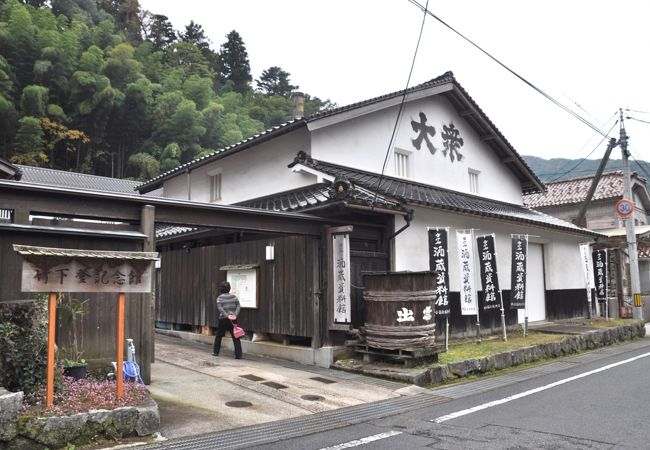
{"x": 585, "y": 254}
{"x": 468, "y": 303}
{"x": 341, "y": 271}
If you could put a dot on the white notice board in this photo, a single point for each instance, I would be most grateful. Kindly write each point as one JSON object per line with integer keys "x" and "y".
{"x": 243, "y": 283}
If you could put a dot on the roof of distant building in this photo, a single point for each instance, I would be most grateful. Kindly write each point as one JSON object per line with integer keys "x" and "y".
{"x": 567, "y": 192}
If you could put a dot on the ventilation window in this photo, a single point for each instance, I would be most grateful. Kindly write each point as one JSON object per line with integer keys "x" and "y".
{"x": 402, "y": 164}
{"x": 473, "y": 181}
{"x": 215, "y": 187}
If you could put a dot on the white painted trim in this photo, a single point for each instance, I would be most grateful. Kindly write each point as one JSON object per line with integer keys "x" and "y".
{"x": 320, "y": 176}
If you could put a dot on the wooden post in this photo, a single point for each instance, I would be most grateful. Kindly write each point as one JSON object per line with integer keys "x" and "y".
{"x": 120, "y": 345}
{"x": 51, "y": 337}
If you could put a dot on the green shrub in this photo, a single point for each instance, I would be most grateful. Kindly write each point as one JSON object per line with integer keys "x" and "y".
{"x": 23, "y": 344}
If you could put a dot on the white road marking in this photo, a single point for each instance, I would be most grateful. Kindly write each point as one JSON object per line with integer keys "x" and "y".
{"x": 363, "y": 441}
{"x": 464, "y": 412}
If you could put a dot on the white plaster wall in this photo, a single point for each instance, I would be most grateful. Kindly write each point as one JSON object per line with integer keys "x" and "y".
{"x": 563, "y": 268}
{"x": 362, "y": 142}
{"x": 253, "y": 172}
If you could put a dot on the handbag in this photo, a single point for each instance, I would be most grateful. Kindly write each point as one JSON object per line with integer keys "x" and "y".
{"x": 237, "y": 331}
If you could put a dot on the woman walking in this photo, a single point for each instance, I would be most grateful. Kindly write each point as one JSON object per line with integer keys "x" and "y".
{"x": 228, "y": 307}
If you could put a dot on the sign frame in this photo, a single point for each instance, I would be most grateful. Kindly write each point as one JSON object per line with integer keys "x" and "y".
{"x": 624, "y": 208}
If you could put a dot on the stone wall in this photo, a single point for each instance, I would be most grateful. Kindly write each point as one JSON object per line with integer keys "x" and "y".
{"x": 35, "y": 433}
{"x": 447, "y": 372}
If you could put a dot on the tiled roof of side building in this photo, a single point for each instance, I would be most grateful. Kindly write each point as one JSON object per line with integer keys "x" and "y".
{"x": 418, "y": 193}
{"x": 446, "y": 78}
{"x": 77, "y": 181}
{"x": 567, "y": 192}
{"x": 315, "y": 195}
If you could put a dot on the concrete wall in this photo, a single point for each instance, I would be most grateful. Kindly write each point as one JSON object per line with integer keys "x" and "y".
{"x": 362, "y": 142}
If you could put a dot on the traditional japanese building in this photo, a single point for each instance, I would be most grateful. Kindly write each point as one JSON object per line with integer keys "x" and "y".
{"x": 392, "y": 168}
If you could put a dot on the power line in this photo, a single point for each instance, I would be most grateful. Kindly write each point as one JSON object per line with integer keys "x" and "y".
{"x": 585, "y": 158}
{"x": 640, "y": 166}
{"x": 401, "y": 106}
{"x": 638, "y": 120}
{"x": 585, "y": 144}
{"x": 636, "y": 111}
{"x": 528, "y": 83}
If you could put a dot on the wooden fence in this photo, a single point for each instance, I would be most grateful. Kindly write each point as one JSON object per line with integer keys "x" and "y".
{"x": 189, "y": 282}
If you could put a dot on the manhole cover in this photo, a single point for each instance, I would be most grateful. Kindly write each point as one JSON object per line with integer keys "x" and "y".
{"x": 274, "y": 385}
{"x": 323, "y": 380}
{"x": 251, "y": 377}
{"x": 239, "y": 404}
{"x": 312, "y": 398}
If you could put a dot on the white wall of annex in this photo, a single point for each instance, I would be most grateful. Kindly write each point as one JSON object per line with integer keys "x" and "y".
{"x": 362, "y": 142}
{"x": 254, "y": 172}
{"x": 563, "y": 269}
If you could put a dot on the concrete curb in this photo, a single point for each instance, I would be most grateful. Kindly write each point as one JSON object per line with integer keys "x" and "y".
{"x": 441, "y": 373}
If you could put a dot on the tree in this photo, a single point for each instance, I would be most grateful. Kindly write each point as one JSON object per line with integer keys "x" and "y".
{"x": 234, "y": 65}
{"x": 275, "y": 81}
{"x": 170, "y": 157}
{"x": 143, "y": 166}
{"x": 199, "y": 90}
{"x": 194, "y": 34}
{"x": 8, "y": 123}
{"x": 33, "y": 102}
{"x": 29, "y": 143}
{"x": 121, "y": 68}
{"x": 159, "y": 30}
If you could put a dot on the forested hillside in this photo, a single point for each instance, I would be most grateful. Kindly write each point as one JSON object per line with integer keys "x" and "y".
{"x": 555, "y": 169}
{"x": 104, "y": 87}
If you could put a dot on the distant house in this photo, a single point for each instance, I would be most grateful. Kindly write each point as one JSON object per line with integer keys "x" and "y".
{"x": 563, "y": 199}
{"x": 443, "y": 164}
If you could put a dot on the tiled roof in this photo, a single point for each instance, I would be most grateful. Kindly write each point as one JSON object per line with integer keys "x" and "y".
{"x": 168, "y": 230}
{"x": 524, "y": 171}
{"x": 76, "y": 181}
{"x": 421, "y": 194}
{"x": 30, "y": 250}
{"x": 314, "y": 195}
{"x": 567, "y": 192}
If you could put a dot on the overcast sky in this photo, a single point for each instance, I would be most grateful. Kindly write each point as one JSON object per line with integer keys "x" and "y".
{"x": 591, "y": 53}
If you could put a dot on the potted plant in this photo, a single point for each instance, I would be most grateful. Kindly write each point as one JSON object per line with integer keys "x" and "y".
{"x": 73, "y": 363}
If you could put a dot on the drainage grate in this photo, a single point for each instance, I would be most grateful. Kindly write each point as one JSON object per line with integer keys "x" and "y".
{"x": 252, "y": 377}
{"x": 239, "y": 404}
{"x": 312, "y": 398}
{"x": 323, "y": 380}
{"x": 274, "y": 385}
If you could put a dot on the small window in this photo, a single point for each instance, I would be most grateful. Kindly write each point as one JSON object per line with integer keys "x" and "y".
{"x": 215, "y": 187}
{"x": 402, "y": 164}
{"x": 473, "y": 181}
{"x": 6, "y": 215}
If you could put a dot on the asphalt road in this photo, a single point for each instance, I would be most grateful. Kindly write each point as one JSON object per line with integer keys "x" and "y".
{"x": 594, "y": 401}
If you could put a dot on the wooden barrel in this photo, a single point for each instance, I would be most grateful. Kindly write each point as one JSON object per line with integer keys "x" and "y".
{"x": 399, "y": 310}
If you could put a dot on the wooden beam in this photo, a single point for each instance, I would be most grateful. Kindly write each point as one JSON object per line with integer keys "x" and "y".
{"x": 465, "y": 113}
{"x": 508, "y": 159}
{"x": 147, "y": 348}
{"x": 488, "y": 137}
{"x": 51, "y": 339}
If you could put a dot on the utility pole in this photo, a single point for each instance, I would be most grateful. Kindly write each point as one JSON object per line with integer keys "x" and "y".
{"x": 629, "y": 228}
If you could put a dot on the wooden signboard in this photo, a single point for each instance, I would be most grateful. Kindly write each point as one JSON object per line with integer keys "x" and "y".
{"x": 244, "y": 281}
{"x": 53, "y": 270}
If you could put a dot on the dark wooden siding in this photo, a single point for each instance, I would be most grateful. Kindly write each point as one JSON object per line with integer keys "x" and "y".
{"x": 566, "y": 304}
{"x": 189, "y": 281}
{"x": 99, "y": 323}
